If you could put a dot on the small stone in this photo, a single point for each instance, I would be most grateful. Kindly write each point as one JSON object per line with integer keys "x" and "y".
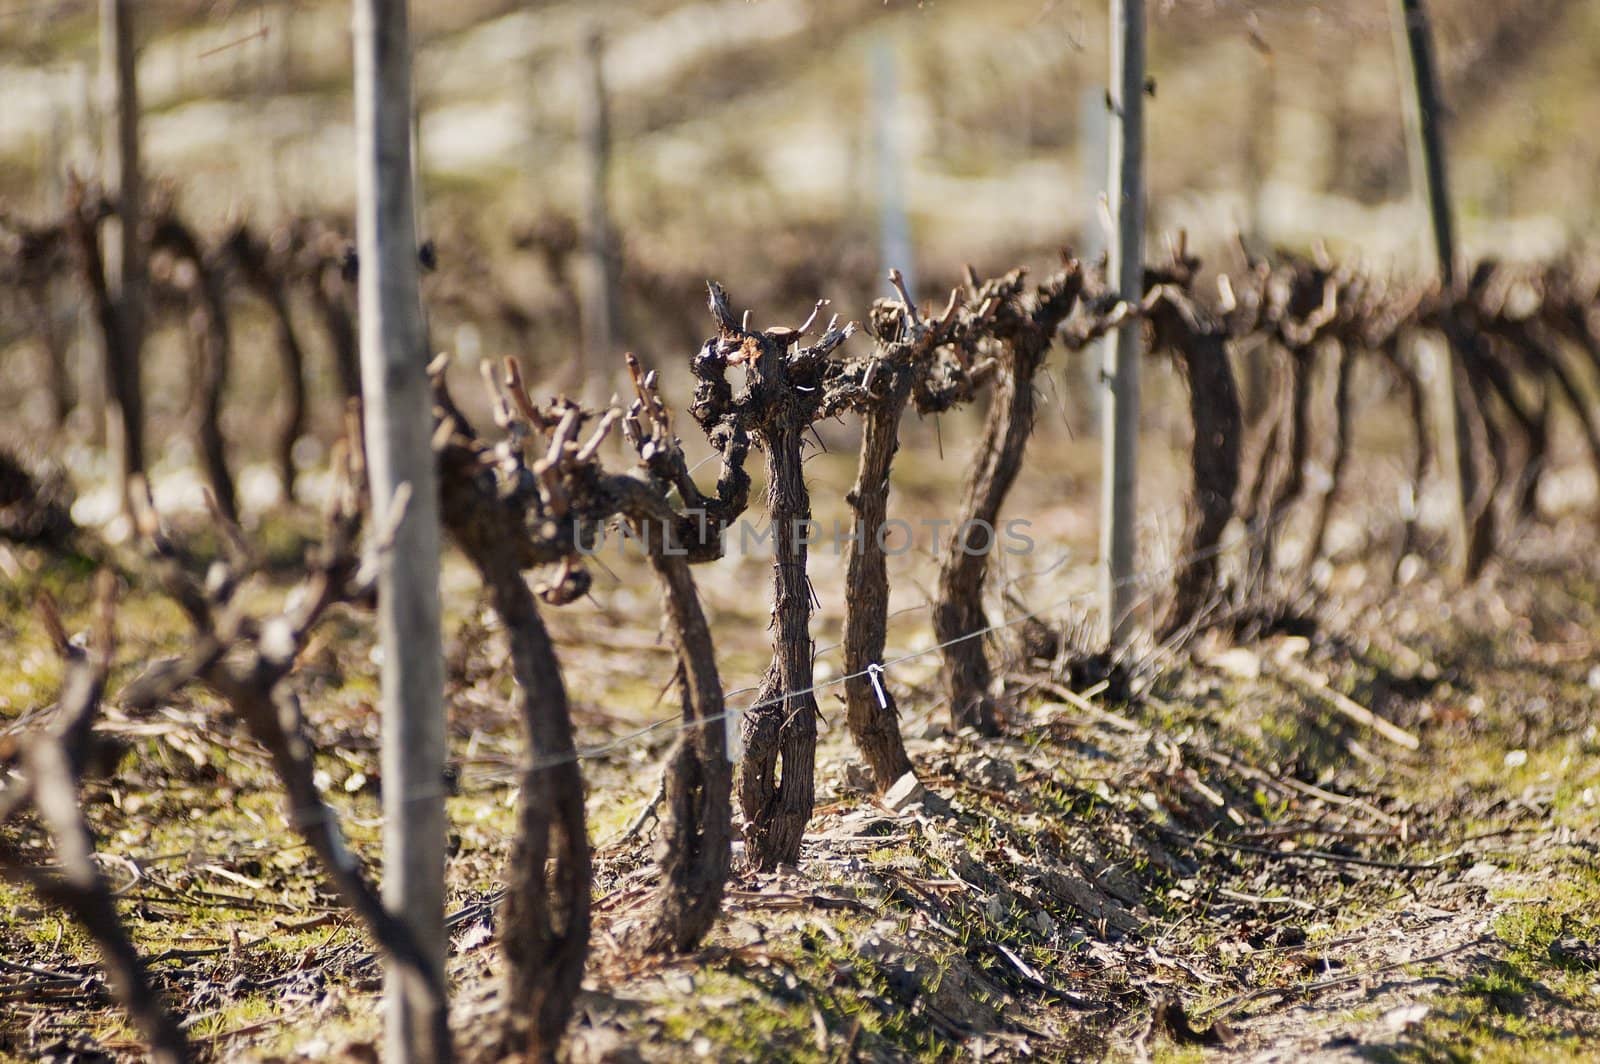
{"x": 906, "y": 792}
{"x": 988, "y": 772}
{"x": 600, "y": 1045}
{"x": 1241, "y": 662}
{"x": 858, "y": 778}
{"x": 1291, "y": 647}
{"x": 318, "y": 1047}
{"x": 277, "y": 641}
{"x": 745, "y": 933}
{"x": 1409, "y": 570}
{"x": 1398, "y": 1019}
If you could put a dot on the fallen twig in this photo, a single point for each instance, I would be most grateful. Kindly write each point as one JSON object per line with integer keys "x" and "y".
{"x": 1227, "y": 1007}
{"x": 1301, "y": 677}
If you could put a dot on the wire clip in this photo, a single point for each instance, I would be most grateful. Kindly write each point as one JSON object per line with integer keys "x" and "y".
{"x": 875, "y": 674}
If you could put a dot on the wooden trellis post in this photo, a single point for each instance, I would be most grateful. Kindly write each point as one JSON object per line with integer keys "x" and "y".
{"x": 397, "y": 401}
{"x": 119, "y": 88}
{"x": 601, "y": 284}
{"x": 1119, "y": 382}
{"x": 894, "y": 231}
{"x": 1424, "y": 120}
{"x": 1083, "y": 372}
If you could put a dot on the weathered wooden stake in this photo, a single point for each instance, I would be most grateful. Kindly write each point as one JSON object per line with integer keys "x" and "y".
{"x": 1430, "y": 177}
{"x": 1255, "y": 361}
{"x": 894, "y": 232}
{"x": 88, "y": 361}
{"x": 602, "y": 322}
{"x": 1119, "y": 406}
{"x": 119, "y": 87}
{"x": 398, "y": 428}
{"x": 1083, "y": 367}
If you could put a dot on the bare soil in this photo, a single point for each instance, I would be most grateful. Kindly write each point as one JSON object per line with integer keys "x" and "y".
{"x": 1208, "y": 859}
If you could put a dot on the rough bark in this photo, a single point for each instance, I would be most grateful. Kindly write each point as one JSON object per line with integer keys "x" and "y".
{"x": 878, "y": 386}
{"x": 695, "y": 849}
{"x": 545, "y": 923}
{"x": 1487, "y": 446}
{"x": 1531, "y": 423}
{"x": 777, "y": 786}
{"x": 1199, "y": 345}
{"x": 870, "y": 708}
{"x": 783, "y": 395}
{"x": 1494, "y": 356}
{"x": 1270, "y": 443}
{"x": 1295, "y": 443}
{"x": 509, "y": 514}
{"x": 1302, "y": 301}
{"x": 1022, "y": 330}
{"x": 1483, "y": 447}
{"x": 1477, "y": 441}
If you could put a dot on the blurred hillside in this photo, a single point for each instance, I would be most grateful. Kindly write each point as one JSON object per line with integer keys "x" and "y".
{"x": 740, "y": 123}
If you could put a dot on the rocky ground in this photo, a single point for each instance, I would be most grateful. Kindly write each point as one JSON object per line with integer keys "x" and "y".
{"x": 1222, "y": 856}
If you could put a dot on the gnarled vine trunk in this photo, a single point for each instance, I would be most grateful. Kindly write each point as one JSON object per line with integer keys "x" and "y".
{"x": 1339, "y": 457}
{"x": 1023, "y": 331}
{"x": 903, "y": 363}
{"x": 212, "y": 339}
{"x": 697, "y": 826}
{"x": 254, "y": 258}
{"x": 782, "y": 396}
{"x": 777, "y": 785}
{"x": 545, "y": 923}
{"x": 1199, "y": 347}
{"x": 870, "y": 709}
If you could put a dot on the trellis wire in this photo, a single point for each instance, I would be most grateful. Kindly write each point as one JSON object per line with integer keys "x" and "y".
{"x": 675, "y": 725}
